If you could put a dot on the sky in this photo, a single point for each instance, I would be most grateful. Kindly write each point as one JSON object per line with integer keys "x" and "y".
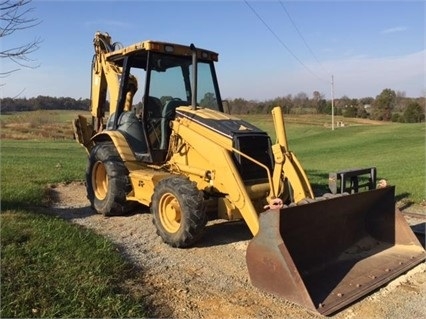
{"x": 267, "y": 49}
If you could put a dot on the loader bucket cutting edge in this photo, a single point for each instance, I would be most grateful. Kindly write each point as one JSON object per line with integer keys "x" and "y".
{"x": 327, "y": 254}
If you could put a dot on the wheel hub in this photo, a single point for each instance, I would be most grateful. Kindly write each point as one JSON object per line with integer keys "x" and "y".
{"x": 170, "y": 213}
{"x": 100, "y": 180}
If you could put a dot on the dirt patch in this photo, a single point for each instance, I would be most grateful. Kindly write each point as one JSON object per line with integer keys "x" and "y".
{"x": 210, "y": 280}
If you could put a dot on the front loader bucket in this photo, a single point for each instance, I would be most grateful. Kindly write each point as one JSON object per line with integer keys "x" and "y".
{"x": 327, "y": 254}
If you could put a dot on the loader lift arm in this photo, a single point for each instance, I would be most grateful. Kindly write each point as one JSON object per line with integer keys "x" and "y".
{"x": 286, "y": 164}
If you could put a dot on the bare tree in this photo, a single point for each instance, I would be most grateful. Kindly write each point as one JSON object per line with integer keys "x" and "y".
{"x": 14, "y": 17}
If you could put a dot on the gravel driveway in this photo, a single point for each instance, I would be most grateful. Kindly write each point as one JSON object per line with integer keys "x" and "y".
{"x": 211, "y": 279}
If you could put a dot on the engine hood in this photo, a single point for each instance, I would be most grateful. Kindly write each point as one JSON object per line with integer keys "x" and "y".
{"x": 222, "y": 123}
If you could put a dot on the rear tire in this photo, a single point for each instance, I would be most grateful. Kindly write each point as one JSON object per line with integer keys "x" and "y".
{"x": 178, "y": 211}
{"x": 107, "y": 181}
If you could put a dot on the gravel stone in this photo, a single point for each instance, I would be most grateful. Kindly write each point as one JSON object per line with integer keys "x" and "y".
{"x": 211, "y": 280}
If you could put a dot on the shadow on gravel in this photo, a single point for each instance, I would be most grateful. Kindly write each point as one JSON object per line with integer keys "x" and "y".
{"x": 420, "y": 231}
{"x": 73, "y": 213}
{"x": 224, "y": 233}
{"x": 69, "y": 213}
{"x": 402, "y": 197}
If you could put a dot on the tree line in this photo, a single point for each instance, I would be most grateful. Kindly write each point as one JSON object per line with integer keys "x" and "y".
{"x": 10, "y": 105}
{"x": 387, "y": 106}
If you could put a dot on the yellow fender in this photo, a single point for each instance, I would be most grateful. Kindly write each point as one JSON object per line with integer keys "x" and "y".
{"x": 120, "y": 142}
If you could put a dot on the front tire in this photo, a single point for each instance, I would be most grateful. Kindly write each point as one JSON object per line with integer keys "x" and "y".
{"x": 107, "y": 181}
{"x": 178, "y": 211}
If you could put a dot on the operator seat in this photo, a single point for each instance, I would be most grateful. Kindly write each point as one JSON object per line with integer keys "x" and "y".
{"x": 153, "y": 107}
{"x": 168, "y": 114}
{"x": 132, "y": 129}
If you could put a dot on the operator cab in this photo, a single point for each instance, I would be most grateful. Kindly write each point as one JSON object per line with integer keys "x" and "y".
{"x": 170, "y": 81}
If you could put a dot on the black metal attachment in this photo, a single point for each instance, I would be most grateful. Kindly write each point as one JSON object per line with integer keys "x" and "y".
{"x": 352, "y": 180}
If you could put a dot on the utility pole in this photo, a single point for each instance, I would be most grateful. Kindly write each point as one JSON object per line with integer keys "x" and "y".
{"x": 332, "y": 102}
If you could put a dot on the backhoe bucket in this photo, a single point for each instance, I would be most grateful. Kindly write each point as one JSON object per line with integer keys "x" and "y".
{"x": 327, "y": 254}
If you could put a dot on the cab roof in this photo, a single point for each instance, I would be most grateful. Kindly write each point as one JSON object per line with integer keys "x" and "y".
{"x": 143, "y": 47}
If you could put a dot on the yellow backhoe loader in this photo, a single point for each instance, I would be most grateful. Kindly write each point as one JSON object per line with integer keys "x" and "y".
{"x": 177, "y": 151}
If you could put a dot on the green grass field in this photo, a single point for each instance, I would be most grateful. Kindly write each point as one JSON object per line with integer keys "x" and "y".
{"x": 51, "y": 268}
{"x": 28, "y": 166}
{"x": 397, "y": 151}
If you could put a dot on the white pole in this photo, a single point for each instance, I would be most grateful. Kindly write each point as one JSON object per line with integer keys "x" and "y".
{"x": 332, "y": 102}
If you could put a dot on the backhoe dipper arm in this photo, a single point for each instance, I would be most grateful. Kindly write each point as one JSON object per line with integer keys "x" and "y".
{"x": 106, "y": 77}
{"x": 98, "y": 93}
{"x": 102, "y": 45}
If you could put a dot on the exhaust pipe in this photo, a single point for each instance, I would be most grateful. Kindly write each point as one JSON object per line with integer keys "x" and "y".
{"x": 194, "y": 77}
